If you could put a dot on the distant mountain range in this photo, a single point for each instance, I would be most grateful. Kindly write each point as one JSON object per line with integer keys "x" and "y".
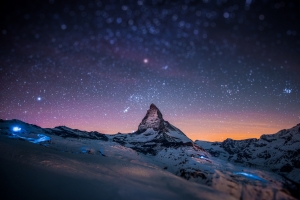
{"x": 272, "y": 160}
{"x": 279, "y": 152}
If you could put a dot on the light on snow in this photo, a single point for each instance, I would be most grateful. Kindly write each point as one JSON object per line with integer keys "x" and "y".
{"x": 16, "y": 129}
{"x": 41, "y": 138}
{"x": 204, "y": 157}
{"x": 252, "y": 176}
{"x": 36, "y": 140}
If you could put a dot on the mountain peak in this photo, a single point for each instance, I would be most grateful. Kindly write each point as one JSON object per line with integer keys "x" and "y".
{"x": 154, "y": 134}
{"x": 153, "y": 106}
{"x": 153, "y": 119}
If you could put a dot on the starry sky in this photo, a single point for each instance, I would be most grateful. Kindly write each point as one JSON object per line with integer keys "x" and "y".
{"x": 215, "y": 69}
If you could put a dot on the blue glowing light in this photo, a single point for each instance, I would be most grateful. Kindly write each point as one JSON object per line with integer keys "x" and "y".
{"x": 203, "y": 157}
{"x": 38, "y": 139}
{"x": 41, "y": 138}
{"x": 16, "y": 129}
{"x": 84, "y": 149}
{"x": 252, "y": 176}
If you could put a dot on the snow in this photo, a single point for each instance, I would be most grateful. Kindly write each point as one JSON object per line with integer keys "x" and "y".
{"x": 39, "y": 172}
{"x": 41, "y": 138}
{"x": 177, "y": 134}
{"x": 93, "y": 168}
{"x": 146, "y": 136}
{"x": 277, "y": 152}
{"x": 36, "y": 138}
{"x": 252, "y": 176}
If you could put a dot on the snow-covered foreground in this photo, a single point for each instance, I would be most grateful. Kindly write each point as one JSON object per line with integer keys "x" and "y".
{"x": 80, "y": 168}
{"x": 158, "y": 161}
{"x": 61, "y": 171}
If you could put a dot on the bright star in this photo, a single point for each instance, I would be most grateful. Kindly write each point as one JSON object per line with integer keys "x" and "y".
{"x": 39, "y": 98}
{"x": 145, "y": 60}
{"x": 126, "y": 110}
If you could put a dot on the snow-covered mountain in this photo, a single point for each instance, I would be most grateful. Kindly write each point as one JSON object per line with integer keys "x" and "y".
{"x": 19, "y": 129}
{"x": 154, "y": 134}
{"x": 229, "y": 169}
{"x": 65, "y": 132}
{"x": 279, "y": 152}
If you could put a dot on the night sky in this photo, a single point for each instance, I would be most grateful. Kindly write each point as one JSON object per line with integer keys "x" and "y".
{"x": 215, "y": 69}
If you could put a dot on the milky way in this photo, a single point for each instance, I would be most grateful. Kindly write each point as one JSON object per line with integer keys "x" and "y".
{"x": 215, "y": 69}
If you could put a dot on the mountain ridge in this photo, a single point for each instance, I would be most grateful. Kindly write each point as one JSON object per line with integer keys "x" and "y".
{"x": 279, "y": 152}
{"x": 220, "y": 165}
{"x": 153, "y": 134}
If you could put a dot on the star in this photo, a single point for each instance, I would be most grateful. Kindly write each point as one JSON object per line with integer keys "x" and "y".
{"x": 126, "y": 110}
{"x": 95, "y": 61}
{"x": 287, "y": 90}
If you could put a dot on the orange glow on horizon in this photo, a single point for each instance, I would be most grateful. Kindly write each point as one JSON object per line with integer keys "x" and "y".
{"x": 205, "y": 127}
{"x": 235, "y": 127}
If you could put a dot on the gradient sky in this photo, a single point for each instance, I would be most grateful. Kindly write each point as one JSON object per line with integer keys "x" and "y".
{"x": 216, "y": 69}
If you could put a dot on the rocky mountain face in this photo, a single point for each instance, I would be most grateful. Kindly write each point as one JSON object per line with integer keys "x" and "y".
{"x": 153, "y": 119}
{"x": 153, "y": 134}
{"x": 279, "y": 152}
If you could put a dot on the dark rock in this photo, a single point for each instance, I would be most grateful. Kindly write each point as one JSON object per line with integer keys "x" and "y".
{"x": 265, "y": 154}
{"x": 145, "y": 151}
{"x": 195, "y": 174}
{"x": 286, "y": 168}
{"x": 213, "y": 152}
{"x": 260, "y": 144}
{"x": 296, "y": 163}
{"x": 266, "y": 138}
{"x": 153, "y": 119}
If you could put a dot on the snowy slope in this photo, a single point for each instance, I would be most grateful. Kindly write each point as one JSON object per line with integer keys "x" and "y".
{"x": 278, "y": 152}
{"x": 124, "y": 169}
{"x": 157, "y": 151}
{"x": 30, "y": 171}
